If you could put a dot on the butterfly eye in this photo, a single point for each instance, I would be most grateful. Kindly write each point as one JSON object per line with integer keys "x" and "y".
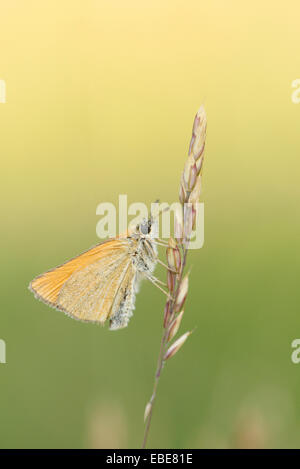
{"x": 145, "y": 228}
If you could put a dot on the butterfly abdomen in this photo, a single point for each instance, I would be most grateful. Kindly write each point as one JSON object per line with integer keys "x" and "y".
{"x": 120, "y": 318}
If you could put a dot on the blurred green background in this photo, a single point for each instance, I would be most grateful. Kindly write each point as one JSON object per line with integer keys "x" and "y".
{"x": 101, "y": 98}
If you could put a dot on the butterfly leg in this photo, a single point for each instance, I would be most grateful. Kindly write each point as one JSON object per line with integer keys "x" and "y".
{"x": 161, "y": 242}
{"x": 153, "y": 280}
{"x": 166, "y": 266}
{"x": 159, "y": 261}
{"x": 158, "y": 281}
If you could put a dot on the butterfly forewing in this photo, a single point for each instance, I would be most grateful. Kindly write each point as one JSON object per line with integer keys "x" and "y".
{"x": 89, "y": 293}
{"x": 85, "y": 286}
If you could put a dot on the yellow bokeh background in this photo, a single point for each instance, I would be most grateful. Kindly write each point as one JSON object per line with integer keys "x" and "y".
{"x": 101, "y": 97}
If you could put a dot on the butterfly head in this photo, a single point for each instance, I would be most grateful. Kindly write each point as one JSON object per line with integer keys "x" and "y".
{"x": 147, "y": 228}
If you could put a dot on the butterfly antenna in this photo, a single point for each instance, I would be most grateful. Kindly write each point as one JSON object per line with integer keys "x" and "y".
{"x": 160, "y": 209}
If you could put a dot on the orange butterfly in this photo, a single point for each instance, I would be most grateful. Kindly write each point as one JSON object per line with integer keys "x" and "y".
{"x": 101, "y": 283}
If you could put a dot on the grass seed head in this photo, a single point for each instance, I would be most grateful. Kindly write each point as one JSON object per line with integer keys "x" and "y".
{"x": 173, "y": 255}
{"x": 189, "y": 217}
{"x": 147, "y": 410}
{"x": 174, "y": 326}
{"x": 178, "y": 224}
{"x": 196, "y": 192}
{"x": 182, "y": 294}
{"x": 197, "y": 144}
{"x": 167, "y": 313}
{"x": 182, "y": 191}
{"x": 176, "y": 346}
{"x": 190, "y": 173}
{"x": 171, "y": 280}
